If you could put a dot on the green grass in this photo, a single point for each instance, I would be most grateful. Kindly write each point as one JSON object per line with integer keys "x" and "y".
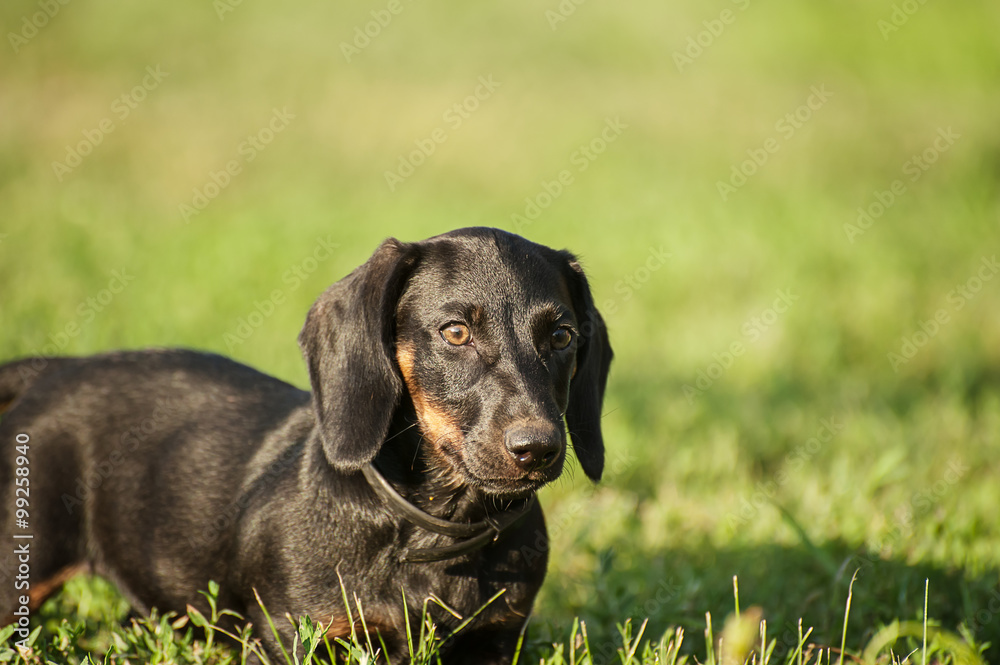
{"x": 743, "y": 638}
{"x": 702, "y": 484}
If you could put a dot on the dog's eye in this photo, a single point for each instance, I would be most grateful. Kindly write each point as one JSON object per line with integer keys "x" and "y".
{"x": 561, "y": 338}
{"x": 457, "y": 334}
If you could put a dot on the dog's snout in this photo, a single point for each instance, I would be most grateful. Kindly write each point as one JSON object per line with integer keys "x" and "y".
{"x": 533, "y": 446}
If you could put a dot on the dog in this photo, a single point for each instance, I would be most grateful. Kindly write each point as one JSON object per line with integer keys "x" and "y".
{"x": 444, "y": 373}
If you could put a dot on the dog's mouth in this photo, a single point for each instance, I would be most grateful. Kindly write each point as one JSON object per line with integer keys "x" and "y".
{"x": 510, "y": 490}
{"x": 456, "y": 468}
{"x": 516, "y": 486}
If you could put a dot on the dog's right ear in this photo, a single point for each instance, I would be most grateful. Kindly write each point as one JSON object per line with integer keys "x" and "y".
{"x": 347, "y": 341}
{"x": 586, "y": 391}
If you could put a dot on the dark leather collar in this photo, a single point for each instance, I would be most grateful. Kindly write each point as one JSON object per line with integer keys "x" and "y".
{"x": 471, "y": 535}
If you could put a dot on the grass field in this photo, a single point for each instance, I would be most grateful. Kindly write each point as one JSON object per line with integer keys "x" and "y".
{"x": 790, "y": 215}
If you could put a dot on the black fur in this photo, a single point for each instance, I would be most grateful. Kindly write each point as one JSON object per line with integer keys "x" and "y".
{"x": 165, "y": 469}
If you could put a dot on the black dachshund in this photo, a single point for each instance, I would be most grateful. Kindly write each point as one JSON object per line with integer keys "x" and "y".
{"x": 444, "y": 376}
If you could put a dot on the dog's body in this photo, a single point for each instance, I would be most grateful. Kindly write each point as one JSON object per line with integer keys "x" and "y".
{"x": 162, "y": 470}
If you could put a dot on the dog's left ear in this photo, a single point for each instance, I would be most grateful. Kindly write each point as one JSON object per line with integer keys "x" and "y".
{"x": 347, "y": 341}
{"x": 593, "y": 358}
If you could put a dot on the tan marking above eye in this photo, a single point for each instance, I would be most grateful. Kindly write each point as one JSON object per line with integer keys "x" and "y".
{"x": 561, "y": 338}
{"x": 456, "y": 334}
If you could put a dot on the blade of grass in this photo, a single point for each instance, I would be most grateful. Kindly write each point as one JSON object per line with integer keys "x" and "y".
{"x": 520, "y": 643}
{"x": 923, "y": 651}
{"x": 586, "y": 642}
{"x": 631, "y": 646}
{"x": 572, "y": 640}
{"x": 847, "y": 614}
{"x": 765, "y": 653}
{"x": 736, "y": 595}
{"x": 364, "y": 624}
{"x": 270, "y": 623}
{"x": 709, "y": 640}
{"x": 469, "y": 620}
{"x": 406, "y": 621}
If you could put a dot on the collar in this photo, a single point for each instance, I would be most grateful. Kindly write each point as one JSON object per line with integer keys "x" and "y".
{"x": 471, "y": 536}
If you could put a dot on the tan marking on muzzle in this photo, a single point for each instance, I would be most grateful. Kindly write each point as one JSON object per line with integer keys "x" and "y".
{"x": 437, "y": 425}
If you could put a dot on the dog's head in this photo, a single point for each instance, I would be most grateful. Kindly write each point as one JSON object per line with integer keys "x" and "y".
{"x": 493, "y": 338}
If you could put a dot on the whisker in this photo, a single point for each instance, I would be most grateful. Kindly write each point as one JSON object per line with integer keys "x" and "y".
{"x": 408, "y": 427}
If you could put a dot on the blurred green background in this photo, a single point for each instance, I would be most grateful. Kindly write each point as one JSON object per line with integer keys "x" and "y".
{"x": 117, "y": 115}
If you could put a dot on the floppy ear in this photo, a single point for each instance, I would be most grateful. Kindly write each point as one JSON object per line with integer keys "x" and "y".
{"x": 347, "y": 341}
{"x": 586, "y": 391}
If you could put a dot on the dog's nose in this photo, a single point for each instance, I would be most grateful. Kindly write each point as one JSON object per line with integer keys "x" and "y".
{"x": 533, "y": 447}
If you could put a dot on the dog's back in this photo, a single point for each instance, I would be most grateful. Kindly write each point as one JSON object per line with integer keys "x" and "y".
{"x": 108, "y": 439}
